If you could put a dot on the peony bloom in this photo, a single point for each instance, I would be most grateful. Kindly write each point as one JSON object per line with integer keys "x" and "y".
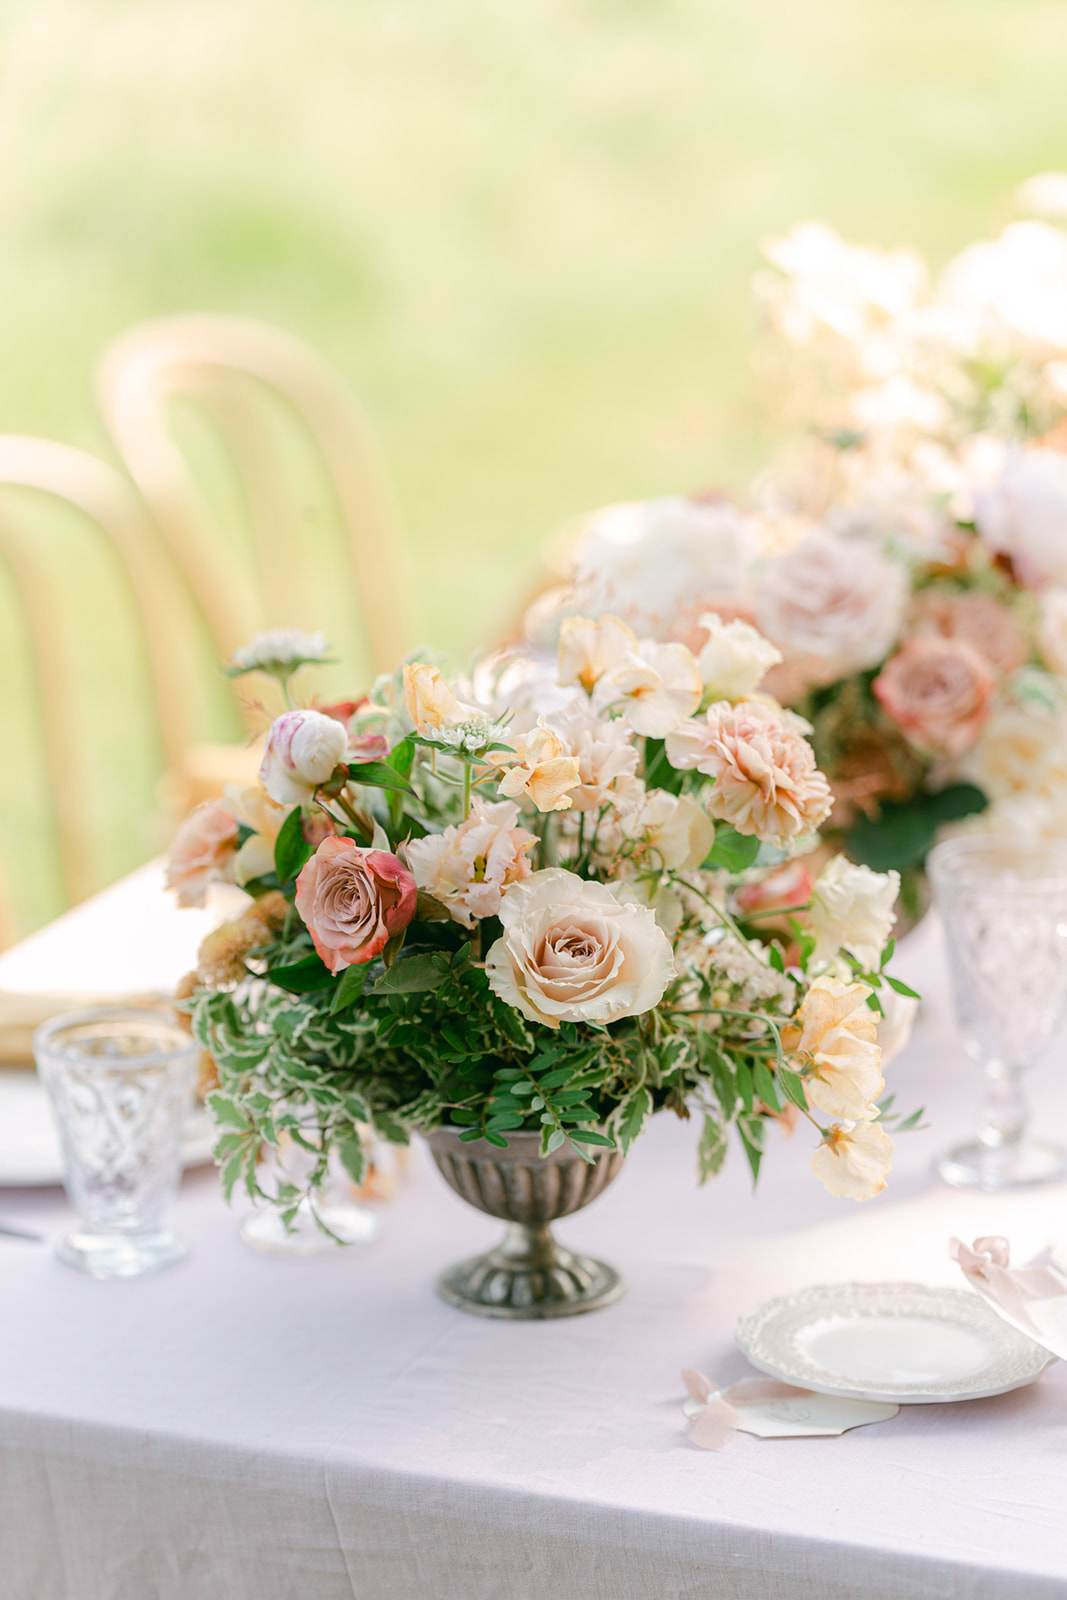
{"x": 834, "y": 606}
{"x": 783, "y": 889}
{"x": 978, "y": 620}
{"x": 430, "y": 703}
{"x": 655, "y": 686}
{"x": 766, "y": 780}
{"x": 254, "y": 808}
{"x": 468, "y": 867}
{"x": 734, "y": 658}
{"x": 606, "y": 756}
{"x": 353, "y": 901}
{"x": 203, "y": 852}
{"x": 1052, "y": 630}
{"x": 853, "y": 1160}
{"x": 835, "y": 1046}
{"x": 571, "y": 952}
{"x": 852, "y": 909}
{"x": 539, "y": 766}
{"x": 304, "y": 750}
{"x": 1024, "y": 516}
{"x": 938, "y": 692}
{"x": 674, "y": 832}
{"x": 589, "y": 650}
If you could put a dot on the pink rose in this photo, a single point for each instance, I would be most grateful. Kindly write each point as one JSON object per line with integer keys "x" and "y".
{"x": 766, "y": 780}
{"x": 203, "y": 851}
{"x": 304, "y": 749}
{"x": 783, "y": 889}
{"x": 938, "y": 692}
{"x": 978, "y": 620}
{"x": 353, "y": 901}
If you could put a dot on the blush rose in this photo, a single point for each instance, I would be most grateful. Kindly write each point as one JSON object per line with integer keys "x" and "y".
{"x": 353, "y": 901}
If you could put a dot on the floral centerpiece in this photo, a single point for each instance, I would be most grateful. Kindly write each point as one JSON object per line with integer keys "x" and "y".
{"x": 538, "y": 910}
{"x": 906, "y": 556}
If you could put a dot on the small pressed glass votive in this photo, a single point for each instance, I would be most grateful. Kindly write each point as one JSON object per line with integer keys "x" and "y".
{"x": 121, "y": 1082}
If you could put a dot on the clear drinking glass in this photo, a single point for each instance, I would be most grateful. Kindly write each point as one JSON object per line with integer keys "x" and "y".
{"x": 121, "y": 1082}
{"x": 1003, "y": 904}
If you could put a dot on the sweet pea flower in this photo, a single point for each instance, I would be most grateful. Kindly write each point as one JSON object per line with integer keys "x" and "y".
{"x": 655, "y": 686}
{"x": 304, "y": 749}
{"x": 253, "y": 808}
{"x": 468, "y": 867}
{"x": 853, "y": 1159}
{"x": 431, "y": 704}
{"x": 606, "y": 756}
{"x": 571, "y": 952}
{"x": 673, "y": 830}
{"x": 734, "y": 658}
{"x": 538, "y": 766}
{"x": 852, "y": 909}
{"x": 765, "y": 778}
{"x": 353, "y": 901}
{"x": 835, "y": 1044}
{"x": 589, "y": 650}
{"x": 202, "y": 853}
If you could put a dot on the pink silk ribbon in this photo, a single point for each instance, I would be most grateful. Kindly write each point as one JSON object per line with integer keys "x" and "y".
{"x": 710, "y": 1428}
{"x": 1011, "y": 1287}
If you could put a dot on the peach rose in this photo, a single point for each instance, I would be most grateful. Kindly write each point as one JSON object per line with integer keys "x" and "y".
{"x": 203, "y": 852}
{"x": 468, "y": 867}
{"x": 353, "y": 900}
{"x": 978, "y": 620}
{"x": 938, "y": 692}
{"x": 766, "y": 780}
{"x": 571, "y": 952}
{"x": 853, "y": 1160}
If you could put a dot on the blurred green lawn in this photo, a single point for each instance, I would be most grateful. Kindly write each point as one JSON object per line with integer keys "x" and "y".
{"x": 525, "y": 235}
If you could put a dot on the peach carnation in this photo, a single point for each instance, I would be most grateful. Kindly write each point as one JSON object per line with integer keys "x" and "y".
{"x": 766, "y": 780}
{"x": 468, "y": 867}
{"x": 353, "y": 901}
{"x": 938, "y": 692}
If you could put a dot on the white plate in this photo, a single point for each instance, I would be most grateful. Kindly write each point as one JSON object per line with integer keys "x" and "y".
{"x": 30, "y": 1154}
{"x": 897, "y": 1342}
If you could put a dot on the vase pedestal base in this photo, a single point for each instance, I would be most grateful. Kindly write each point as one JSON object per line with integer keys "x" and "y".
{"x": 529, "y": 1277}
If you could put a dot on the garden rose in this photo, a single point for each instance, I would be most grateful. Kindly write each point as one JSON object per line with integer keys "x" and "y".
{"x": 304, "y": 749}
{"x": 734, "y": 657}
{"x": 834, "y": 606}
{"x": 588, "y": 650}
{"x": 978, "y": 620}
{"x": 835, "y": 1043}
{"x": 852, "y": 909}
{"x": 539, "y": 766}
{"x": 938, "y": 692}
{"x": 353, "y": 901}
{"x": 468, "y": 867}
{"x": 853, "y": 1159}
{"x": 1024, "y": 515}
{"x": 571, "y": 952}
{"x": 766, "y": 780}
{"x": 203, "y": 852}
{"x": 1021, "y": 752}
{"x": 655, "y": 687}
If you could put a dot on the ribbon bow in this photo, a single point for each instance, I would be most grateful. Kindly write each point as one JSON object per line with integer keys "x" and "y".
{"x": 1011, "y": 1287}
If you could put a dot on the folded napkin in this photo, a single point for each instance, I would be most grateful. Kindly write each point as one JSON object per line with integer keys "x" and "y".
{"x": 129, "y": 945}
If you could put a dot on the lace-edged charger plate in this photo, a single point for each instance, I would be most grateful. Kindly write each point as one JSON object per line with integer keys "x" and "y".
{"x": 906, "y": 1342}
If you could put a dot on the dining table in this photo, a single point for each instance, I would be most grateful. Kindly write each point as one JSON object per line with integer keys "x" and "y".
{"x": 249, "y": 1426}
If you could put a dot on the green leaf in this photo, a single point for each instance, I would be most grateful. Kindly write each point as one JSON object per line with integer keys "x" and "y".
{"x": 765, "y": 1086}
{"x": 302, "y": 977}
{"x": 429, "y": 909}
{"x": 552, "y": 1080}
{"x": 504, "y": 1119}
{"x": 751, "y": 1131}
{"x": 555, "y": 1139}
{"x": 413, "y": 974}
{"x": 744, "y": 1085}
{"x": 903, "y": 834}
{"x": 887, "y": 954}
{"x": 630, "y": 1117}
{"x": 900, "y": 987}
{"x": 711, "y": 1151}
{"x": 911, "y": 1122}
{"x": 495, "y": 1138}
{"x": 350, "y": 988}
{"x": 226, "y": 1111}
{"x": 732, "y": 851}
{"x": 793, "y": 1085}
{"x": 377, "y": 775}
{"x": 401, "y": 757}
{"x": 231, "y": 1171}
{"x": 774, "y": 956}
{"x": 353, "y": 1157}
{"x": 465, "y": 1119}
{"x": 291, "y": 849}
{"x": 581, "y": 1136}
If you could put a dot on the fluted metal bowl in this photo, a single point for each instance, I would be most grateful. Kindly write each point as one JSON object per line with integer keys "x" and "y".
{"x": 528, "y": 1275}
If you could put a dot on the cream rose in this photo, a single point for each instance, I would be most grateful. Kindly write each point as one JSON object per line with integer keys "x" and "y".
{"x": 1020, "y": 753}
{"x": 673, "y": 832}
{"x": 734, "y": 658}
{"x": 304, "y": 749}
{"x": 833, "y": 605}
{"x": 468, "y": 867}
{"x": 353, "y": 901}
{"x": 852, "y": 909}
{"x": 938, "y": 692}
{"x": 766, "y": 780}
{"x": 203, "y": 852}
{"x": 1024, "y": 516}
{"x": 571, "y": 952}
{"x": 853, "y": 1160}
{"x": 836, "y": 1046}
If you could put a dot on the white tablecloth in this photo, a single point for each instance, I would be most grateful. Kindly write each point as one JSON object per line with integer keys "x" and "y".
{"x": 248, "y": 1428}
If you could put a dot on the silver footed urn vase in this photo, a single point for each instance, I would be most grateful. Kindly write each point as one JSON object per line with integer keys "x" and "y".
{"x": 528, "y": 1276}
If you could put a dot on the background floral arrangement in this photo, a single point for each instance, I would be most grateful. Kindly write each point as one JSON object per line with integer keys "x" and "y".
{"x": 539, "y": 903}
{"x": 907, "y": 555}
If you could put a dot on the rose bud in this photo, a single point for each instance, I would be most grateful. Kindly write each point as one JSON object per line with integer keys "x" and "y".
{"x": 303, "y": 751}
